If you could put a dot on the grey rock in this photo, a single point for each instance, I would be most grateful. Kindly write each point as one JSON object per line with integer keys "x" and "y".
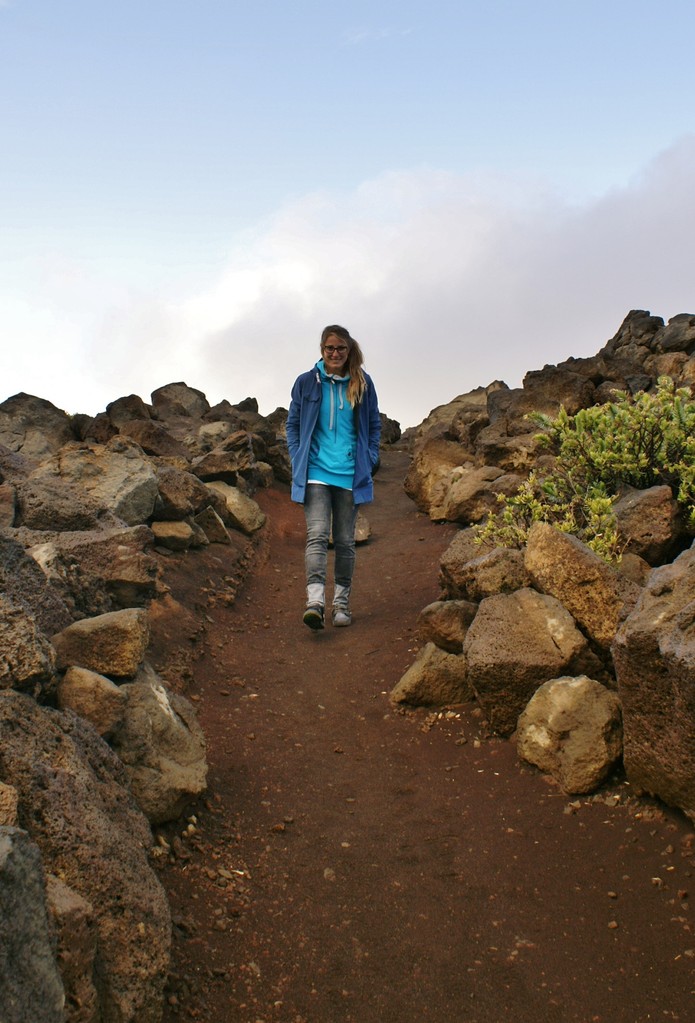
{"x": 452, "y": 566}
{"x": 162, "y": 746}
{"x": 93, "y": 697}
{"x": 242, "y": 512}
{"x": 33, "y": 427}
{"x": 30, "y": 982}
{"x": 179, "y": 399}
{"x": 117, "y": 477}
{"x": 99, "y": 571}
{"x": 501, "y": 570}
{"x": 23, "y": 582}
{"x": 515, "y": 643}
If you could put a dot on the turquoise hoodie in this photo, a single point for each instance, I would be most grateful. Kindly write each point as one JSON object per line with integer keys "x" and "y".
{"x": 332, "y": 451}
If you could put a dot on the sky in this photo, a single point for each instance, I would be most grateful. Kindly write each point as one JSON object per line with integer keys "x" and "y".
{"x": 190, "y": 191}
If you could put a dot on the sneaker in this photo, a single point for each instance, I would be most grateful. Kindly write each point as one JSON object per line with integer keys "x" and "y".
{"x": 313, "y": 616}
{"x": 341, "y": 617}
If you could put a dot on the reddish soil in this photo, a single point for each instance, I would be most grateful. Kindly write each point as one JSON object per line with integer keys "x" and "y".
{"x": 354, "y": 864}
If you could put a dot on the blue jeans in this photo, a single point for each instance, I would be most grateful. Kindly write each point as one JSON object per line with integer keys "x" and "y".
{"x": 322, "y": 506}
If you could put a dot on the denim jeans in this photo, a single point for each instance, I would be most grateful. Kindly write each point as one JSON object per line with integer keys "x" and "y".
{"x": 324, "y": 505}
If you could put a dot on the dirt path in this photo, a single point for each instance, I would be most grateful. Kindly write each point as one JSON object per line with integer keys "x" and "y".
{"x": 356, "y": 865}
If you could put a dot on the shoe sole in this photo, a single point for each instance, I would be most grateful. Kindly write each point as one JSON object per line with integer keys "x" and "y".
{"x": 313, "y": 619}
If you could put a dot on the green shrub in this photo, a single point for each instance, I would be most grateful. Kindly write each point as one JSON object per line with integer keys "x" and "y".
{"x": 640, "y": 442}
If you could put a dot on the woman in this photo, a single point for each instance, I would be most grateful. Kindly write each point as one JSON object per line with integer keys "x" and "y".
{"x": 333, "y": 430}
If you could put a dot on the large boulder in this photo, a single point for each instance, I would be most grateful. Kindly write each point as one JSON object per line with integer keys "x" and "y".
{"x": 94, "y": 697}
{"x": 117, "y": 477}
{"x": 162, "y": 746}
{"x": 181, "y": 494}
{"x": 52, "y": 503}
{"x": 654, "y": 656}
{"x": 468, "y": 495}
{"x": 595, "y": 594}
{"x": 434, "y": 459}
{"x": 153, "y": 438}
{"x": 99, "y": 571}
{"x": 75, "y": 803}
{"x": 126, "y": 409}
{"x": 33, "y": 426}
{"x": 175, "y": 536}
{"x": 571, "y": 729}
{"x": 515, "y": 643}
{"x": 179, "y": 400}
{"x": 32, "y": 989}
{"x": 232, "y": 459}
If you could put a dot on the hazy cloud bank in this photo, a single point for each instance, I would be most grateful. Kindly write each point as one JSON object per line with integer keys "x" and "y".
{"x": 448, "y": 282}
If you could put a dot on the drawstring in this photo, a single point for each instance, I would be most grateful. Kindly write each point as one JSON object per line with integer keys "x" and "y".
{"x": 341, "y": 404}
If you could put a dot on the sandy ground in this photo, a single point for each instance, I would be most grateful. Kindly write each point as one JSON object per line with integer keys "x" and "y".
{"x": 354, "y": 864}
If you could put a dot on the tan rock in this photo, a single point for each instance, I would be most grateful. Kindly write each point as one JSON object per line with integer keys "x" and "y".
{"x": 596, "y": 595}
{"x": 94, "y": 697}
{"x": 572, "y": 730}
{"x": 243, "y": 512}
{"x": 111, "y": 644}
{"x": 175, "y": 536}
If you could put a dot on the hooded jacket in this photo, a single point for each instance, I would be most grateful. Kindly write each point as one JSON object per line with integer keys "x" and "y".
{"x": 301, "y": 422}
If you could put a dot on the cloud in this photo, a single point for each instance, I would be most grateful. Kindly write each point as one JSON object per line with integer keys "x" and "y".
{"x": 448, "y": 282}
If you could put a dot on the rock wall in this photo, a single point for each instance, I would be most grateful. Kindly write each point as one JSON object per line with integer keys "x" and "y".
{"x": 95, "y": 745}
{"x": 576, "y": 659}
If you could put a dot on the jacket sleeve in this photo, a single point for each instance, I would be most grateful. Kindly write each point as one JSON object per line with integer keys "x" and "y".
{"x": 292, "y": 425}
{"x": 374, "y": 427}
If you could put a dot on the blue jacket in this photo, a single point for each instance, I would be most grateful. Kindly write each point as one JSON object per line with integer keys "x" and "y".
{"x": 301, "y": 422}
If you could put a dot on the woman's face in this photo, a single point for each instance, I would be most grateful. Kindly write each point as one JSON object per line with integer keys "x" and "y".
{"x": 335, "y": 353}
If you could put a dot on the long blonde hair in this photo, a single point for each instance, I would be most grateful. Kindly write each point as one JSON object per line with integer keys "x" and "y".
{"x": 353, "y": 365}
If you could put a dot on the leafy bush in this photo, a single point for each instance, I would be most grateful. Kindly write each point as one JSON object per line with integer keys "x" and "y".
{"x": 640, "y": 442}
